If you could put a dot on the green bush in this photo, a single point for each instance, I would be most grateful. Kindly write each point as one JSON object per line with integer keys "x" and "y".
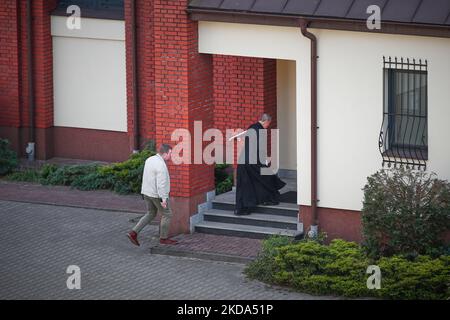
{"x": 25, "y": 176}
{"x": 405, "y": 212}
{"x": 422, "y": 278}
{"x": 8, "y": 158}
{"x": 223, "y": 178}
{"x": 124, "y": 177}
{"x": 340, "y": 269}
{"x": 65, "y": 175}
{"x": 264, "y": 267}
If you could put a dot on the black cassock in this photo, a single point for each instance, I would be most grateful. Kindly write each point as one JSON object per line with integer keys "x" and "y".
{"x": 252, "y": 188}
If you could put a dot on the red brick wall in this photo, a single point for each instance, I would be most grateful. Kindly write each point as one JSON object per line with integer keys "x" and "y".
{"x": 13, "y": 72}
{"x": 270, "y": 89}
{"x": 145, "y": 70}
{"x": 183, "y": 78}
{"x": 9, "y": 64}
{"x": 337, "y": 223}
{"x": 244, "y": 88}
{"x": 42, "y": 63}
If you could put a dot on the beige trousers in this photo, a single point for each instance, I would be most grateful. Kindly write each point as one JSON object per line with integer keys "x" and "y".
{"x": 153, "y": 207}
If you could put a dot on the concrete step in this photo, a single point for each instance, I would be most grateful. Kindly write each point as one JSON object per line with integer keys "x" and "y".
{"x": 255, "y": 219}
{"x": 283, "y": 209}
{"x": 246, "y": 231}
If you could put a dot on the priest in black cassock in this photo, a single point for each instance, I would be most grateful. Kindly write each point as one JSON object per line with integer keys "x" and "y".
{"x": 253, "y": 188}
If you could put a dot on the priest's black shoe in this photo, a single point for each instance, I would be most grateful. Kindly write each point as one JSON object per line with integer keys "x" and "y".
{"x": 270, "y": 203}
{"x": 242, "y": 212}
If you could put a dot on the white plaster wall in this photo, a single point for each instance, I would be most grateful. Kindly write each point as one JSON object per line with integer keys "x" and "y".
{"x": 350, "y": 99}
{"x": 89, "y": 74}
{"x": 286, "y": 109}
{"x": 350, "y": 108}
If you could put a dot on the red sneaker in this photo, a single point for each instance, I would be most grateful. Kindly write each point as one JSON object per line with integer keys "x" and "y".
{"x": 132, "y": 235}
{"x": 168, "y": 241}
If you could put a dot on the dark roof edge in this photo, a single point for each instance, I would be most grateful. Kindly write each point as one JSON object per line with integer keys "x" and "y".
{"x": 94, "y": 14}
{"x": 428, "y": 30}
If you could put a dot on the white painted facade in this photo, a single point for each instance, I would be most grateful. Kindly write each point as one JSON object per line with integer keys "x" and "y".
{"x": 89, "y": 74}
{"x": 350, "y": 99}
{"x": 286, "y": 106}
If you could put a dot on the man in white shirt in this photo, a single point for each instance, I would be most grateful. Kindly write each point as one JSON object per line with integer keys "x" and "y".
{"x": 156, "y": 189}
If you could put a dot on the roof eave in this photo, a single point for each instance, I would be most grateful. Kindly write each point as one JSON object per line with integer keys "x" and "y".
{"x": 427, "y": 30}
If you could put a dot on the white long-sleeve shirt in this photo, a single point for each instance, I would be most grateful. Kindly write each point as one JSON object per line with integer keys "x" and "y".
{"x": 156, "y": 179}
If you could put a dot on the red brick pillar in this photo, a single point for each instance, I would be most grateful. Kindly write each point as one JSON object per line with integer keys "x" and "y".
{"x": 183, "y": 94}
{"x": 9, "y": 73}
{"x": 42, "y": 75}
{"x": 145, "y": 69}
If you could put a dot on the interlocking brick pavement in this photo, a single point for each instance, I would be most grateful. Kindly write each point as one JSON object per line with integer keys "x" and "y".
{"x": 66, "y": 196}
{"x": 38, "y": 243}
{"x": 103, "y": 199}
{"x": 226, "y": 245}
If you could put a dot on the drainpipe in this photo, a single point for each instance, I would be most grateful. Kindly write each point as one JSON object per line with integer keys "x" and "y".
{"x": 30, "y": 149}
{"x": 134, "y": 78}
{"x": 304, "y": 28}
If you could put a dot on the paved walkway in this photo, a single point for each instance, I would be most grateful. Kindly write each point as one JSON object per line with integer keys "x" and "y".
{"x": 66, "y": 196}
{"x": 232, "y": 249}
{"x": 39, "y": 242}
{"x": 212, "y": 247}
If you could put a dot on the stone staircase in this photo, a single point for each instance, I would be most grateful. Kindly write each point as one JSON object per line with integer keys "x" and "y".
{"x": 262, "y": 223}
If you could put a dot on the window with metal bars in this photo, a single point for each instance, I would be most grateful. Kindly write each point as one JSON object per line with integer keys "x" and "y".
{"x": 404, "y": 133}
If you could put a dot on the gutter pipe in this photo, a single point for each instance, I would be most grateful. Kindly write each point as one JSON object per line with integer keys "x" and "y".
{"x": 304, "y": 29}
{"x": 134, "y": 78}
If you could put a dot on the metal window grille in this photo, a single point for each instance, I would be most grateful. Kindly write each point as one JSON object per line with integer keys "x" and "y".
{"x": 403, "y": 137}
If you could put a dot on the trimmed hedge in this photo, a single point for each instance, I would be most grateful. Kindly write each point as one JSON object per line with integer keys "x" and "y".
{"x": 124, "y": 177}
{"x": 340, "y": 269}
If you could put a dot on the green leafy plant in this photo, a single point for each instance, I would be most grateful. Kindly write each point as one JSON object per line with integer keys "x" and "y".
{"x": 309, "y": 266}
{"x": 405, "y": 212}
{"x": 421, "y": 278}
{"x": 340, "y": 269}
{"x": 223, "y": 178}
{"x": 126, "y": 177}
{"x": 123, "y": 177}
{"x": 66, "y": 175}
{"x": 25, "y": 176}
{"x": 8, "y": 158}
{"x": 264, "y": 267}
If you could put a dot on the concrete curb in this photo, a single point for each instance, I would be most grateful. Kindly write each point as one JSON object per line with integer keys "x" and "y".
{"x": 49, "y": 203}
{"x": 199, "y": 255}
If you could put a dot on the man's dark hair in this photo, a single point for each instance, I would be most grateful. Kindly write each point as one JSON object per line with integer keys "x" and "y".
{"x": 164, "y": 148}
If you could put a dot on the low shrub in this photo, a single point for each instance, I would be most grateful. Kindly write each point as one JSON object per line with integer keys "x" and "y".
{"x": 25, "y": 176}
{"x": 405, "y": 212}
{"x": 223, "y": 178}
{"x": 124, "y": 177}
{"x": 340, "y": 269}
{"x": 264, "y": 267}
{"x": 65, "y": 175}
{"x": 8, "y": 158}
{"x": 422, "y": 278}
